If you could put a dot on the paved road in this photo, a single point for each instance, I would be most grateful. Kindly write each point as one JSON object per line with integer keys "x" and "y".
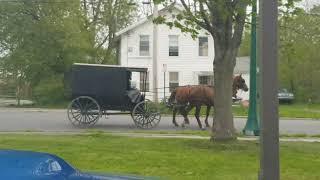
{"x": 55, "y": 120}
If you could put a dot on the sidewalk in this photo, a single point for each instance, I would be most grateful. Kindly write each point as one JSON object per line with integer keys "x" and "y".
{"x": 4, "y": 102}
{"x": 150, "y": 135}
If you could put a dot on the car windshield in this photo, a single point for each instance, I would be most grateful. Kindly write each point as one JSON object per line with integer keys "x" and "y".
{"x": 283, "y": 91}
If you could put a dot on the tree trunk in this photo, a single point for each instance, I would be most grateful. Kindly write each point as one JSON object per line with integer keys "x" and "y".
{"x": 18, "y": 95}
{"x": 223, "y": 128}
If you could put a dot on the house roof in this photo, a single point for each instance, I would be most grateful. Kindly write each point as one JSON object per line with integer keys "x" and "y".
{"x": 149, "y": 18}
{"x": 242, "y": 67}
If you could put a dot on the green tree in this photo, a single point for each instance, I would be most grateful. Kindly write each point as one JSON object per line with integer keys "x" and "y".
{"x": 299, "y": 57}
{"x": 104, "y": 19}
{"x": 225, "y": 21}
{"x": 40, "y": 40}
{"x": 315, "y": 10}
{"x": 244, "y": 49}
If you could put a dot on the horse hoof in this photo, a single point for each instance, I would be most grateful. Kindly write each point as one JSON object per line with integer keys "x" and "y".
{"x": 203, "y": 128}
{"x": 184, "y": 125}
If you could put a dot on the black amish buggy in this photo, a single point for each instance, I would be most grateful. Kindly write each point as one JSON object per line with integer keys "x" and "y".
{"x": 98, "y": 89}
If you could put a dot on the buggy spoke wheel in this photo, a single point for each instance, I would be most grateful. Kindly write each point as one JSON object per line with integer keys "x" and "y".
{"x": 84, "y": 111}
{"x": 146, "y": 115}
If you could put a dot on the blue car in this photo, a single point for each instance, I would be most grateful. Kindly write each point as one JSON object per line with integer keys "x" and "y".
{"x": 26, "y": 165}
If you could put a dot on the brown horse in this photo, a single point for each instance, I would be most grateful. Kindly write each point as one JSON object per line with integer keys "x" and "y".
{"x": 184, "y": 98}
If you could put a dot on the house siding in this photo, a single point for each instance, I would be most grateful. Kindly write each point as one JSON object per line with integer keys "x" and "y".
{"x": 189, "y": 64}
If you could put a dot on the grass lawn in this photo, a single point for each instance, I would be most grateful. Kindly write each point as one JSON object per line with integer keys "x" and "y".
{"x": 170, "y": 158}
{"x": 285, "y": 110}
{"x": 300, "y": 111}
{"x": 289, "y": 110}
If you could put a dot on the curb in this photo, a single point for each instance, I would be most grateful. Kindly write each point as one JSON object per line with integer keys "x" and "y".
{"x": 32, "y": 109}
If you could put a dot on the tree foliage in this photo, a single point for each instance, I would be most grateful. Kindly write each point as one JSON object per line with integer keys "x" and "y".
{"x": 224, "y": 20}
{"x": 103, "y": 19}
{"x": 299, "y": 56}
{"x": 244, "y": 49}
{"x": 39, "y": 40}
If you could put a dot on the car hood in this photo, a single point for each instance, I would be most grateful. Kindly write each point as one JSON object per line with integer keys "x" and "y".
{"x": 28, "y": 165}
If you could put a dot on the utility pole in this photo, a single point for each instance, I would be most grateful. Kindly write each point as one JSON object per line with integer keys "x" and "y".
{"x": 164, "y": 68}
{"x": 155, "y": 55}
{"x": 268, "y": 52}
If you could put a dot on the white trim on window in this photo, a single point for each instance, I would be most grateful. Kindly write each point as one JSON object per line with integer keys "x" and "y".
{"x": 144, "y": 45}
{"x": 203, "y": 46}
{"x": 173, "y": 45}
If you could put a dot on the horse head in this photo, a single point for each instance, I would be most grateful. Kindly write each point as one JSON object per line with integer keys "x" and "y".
{"x": 239, "y": 83}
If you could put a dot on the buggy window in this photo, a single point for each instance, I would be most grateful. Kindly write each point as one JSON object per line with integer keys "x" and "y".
{"x": 144, "y": 86}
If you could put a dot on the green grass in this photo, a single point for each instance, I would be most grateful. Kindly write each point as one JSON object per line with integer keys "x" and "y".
{"x": 206, "y": 133}
{"x": 178, "y": 132}
{"x": 170, "y": 158}
{"x": 300, "y": 111}
{"x": 285, "y": 110}
{"x": 289, "y": 110}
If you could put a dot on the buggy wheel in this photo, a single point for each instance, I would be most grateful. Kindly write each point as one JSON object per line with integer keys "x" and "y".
{"x": 84, "y": 111}
{"x": 146, "y": 115}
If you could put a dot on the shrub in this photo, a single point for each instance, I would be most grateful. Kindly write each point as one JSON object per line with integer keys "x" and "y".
{"x": 49, "y": 91}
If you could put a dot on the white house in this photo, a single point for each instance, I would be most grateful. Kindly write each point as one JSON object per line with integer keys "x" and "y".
{"x": 181, "y": 60}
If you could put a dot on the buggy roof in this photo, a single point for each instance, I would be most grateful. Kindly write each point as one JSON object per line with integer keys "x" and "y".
{"x": 132, "y": 69}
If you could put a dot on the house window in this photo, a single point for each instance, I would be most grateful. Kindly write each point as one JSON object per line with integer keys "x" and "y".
{"x": 206, "y": 80}
{"x": 173, "y": 45}
{"x": 203, "y": 46}
{"x": 144, "y": 45}
{"x": 173, "y": 80}
{"x": 144, "y": 76}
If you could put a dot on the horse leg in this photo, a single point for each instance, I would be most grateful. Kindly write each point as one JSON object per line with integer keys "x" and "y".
{"x": 207, "y": 115}
{"x": 184, "y": 113}
{"x": 197, "y": 115}
{"x": 174, "y": 112}
{"x": 187, "y": 110}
